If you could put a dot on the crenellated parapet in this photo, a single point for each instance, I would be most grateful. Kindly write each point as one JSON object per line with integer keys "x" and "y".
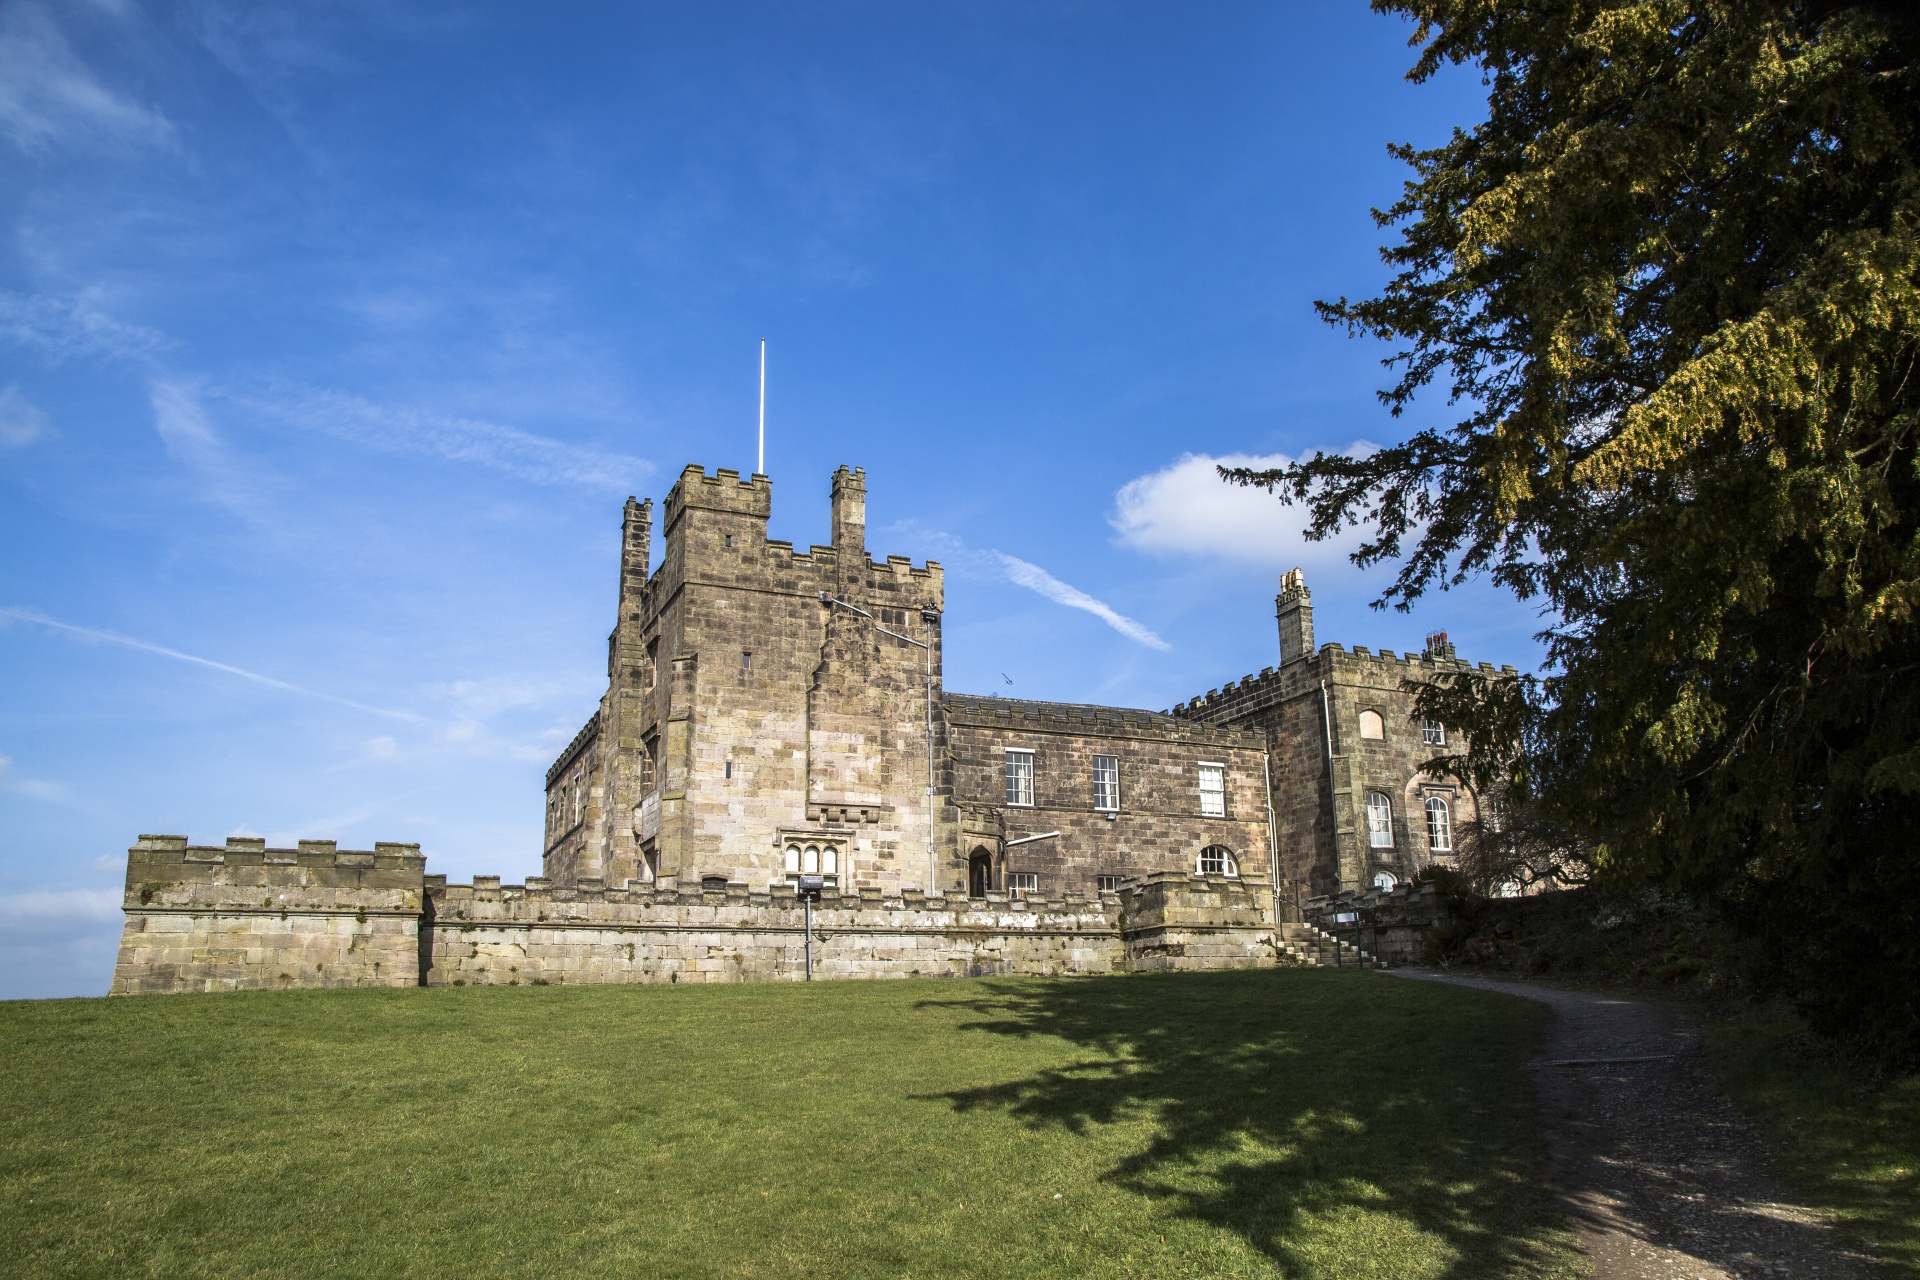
{"x": 244, "y": 916}
{"x": 1071, "y": 717}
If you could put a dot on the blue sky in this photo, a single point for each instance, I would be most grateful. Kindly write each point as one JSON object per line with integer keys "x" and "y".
{"x": 332, "y": 338}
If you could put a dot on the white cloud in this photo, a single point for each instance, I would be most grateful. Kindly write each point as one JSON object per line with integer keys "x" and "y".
{"x": 67, "y": 328}
{"x": 1185, "y": 508}
{"x": 184, "y": 427}
{"x": 507, "y": 450}
{"x": 39, "y": 789}
{"x": 20, "y": 422}
{"x": 110, "y": 637}
{"x": 48, "y": 96}
{"x": 61, "y": 904}
{"x": 1034, "y": 578}
{"x": 955, "y": 554}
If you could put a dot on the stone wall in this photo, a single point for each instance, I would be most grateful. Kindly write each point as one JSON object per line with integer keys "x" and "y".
{"x": 245, "y": 917}
{"x": 204, "y": 918}
{"x": 487, "y": 933}
{"x": 1158, "y": 826}
{"x": 1391, "y": 924}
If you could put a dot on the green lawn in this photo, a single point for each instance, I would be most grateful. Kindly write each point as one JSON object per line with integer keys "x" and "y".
{"x": 1850, "y": 1140}
{"x": 1298, "y": 1123}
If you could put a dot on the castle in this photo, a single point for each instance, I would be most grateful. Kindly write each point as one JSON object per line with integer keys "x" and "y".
{"x": 772, "y": 714}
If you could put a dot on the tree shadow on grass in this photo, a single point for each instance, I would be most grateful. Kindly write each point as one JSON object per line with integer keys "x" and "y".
{"x": 1312, "y": 1114}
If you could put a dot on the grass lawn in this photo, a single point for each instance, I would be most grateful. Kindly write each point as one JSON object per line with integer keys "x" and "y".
{"x": 1298, "y": 1123}
{"x": 1851, "y": 1141}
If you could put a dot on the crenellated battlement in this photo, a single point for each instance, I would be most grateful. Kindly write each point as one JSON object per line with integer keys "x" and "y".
{"x": 248, "y": 860}
{"x": 1073, "y": 717}
{"x": 723, "y": 491}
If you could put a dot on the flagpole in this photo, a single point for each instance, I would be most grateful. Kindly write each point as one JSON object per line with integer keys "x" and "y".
{"x": 762, "y": 468}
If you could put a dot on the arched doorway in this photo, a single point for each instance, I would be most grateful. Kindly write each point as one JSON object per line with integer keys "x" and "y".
{"x": 979, "y": 873}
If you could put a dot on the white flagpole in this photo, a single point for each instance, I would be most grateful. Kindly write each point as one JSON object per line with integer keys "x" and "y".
{"x": 762, "y": 468}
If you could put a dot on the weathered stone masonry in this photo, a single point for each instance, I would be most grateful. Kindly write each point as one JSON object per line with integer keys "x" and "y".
{"x": 244, "y": 917}
{"x": 772, "y": 713}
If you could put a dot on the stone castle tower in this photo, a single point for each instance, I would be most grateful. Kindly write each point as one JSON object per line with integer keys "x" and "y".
{"x": 760, "y": 701}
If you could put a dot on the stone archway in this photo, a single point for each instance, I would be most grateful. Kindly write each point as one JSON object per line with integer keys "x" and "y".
{"x": 979, "y": 873}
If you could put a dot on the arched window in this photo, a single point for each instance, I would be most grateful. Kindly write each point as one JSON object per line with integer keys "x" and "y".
{"x": 1371, "y": 725}
{"x": 812, "y": 860}
{"x": 1385, "y": 881}
{"x": 1433, "y": 733}
{"x": 1439, "y": 826}
{"x": 1379, "y": 820}
{"x": 1217, "y": 860}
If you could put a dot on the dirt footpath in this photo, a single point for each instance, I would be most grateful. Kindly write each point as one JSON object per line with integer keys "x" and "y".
{"x": 1663, "y": 1178}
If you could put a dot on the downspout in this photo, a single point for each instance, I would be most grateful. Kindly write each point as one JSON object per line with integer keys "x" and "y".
{"x": 1273, "y": 838}
{"x": 1333, "y": 819}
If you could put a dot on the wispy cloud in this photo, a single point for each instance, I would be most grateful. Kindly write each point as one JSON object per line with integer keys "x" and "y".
{"x": 20, "y": 422}
{"x": 109, "y": 637}
{"x": 1186, "y": 508}
{"x": 61, "y": 904}
{"x": 182, "y": 423}
{"x": 37, "y": 788}
{"x": 1034, "y": 578}
{"x": 73, "y": 327}
{"x": 49, "y": 97}
{"x": 956, "y": 554}
{"x": 507, "y": 450}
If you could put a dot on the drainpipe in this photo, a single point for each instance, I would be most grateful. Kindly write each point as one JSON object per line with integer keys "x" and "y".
{"x": 1273, "y": 838}
{"x": 1326, "y": 723}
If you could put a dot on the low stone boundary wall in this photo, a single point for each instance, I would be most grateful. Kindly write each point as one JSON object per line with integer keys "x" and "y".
{"x": 1390, "y": 925}
{"x": 203, "y": 918}
{"x": 245, "y": 917}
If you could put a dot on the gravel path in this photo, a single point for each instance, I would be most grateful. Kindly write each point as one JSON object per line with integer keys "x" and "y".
{"x": 1663, "y": 1179}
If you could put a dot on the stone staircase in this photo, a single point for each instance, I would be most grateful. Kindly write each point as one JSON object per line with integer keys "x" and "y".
{"x": 1307, "y": 945}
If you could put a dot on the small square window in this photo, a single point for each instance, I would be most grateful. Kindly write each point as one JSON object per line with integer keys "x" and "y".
{"x": 1022, "y": 883}
{"x": 1107, "y": 884}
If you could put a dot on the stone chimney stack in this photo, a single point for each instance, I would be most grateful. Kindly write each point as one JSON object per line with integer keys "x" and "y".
{"x": 850, "y": 512}
{"x": 1294, "y": 607}
{"x": 636, "y": 542}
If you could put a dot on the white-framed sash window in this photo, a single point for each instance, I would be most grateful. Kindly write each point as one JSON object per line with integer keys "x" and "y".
{"x": 1379, "y": 820}
{"x": 1106, "y": 783}
{"x": 1213, "y": 790}
{"x": 1020, "y": 777}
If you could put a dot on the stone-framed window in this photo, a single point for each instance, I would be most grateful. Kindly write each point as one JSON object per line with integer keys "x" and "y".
{"x": 1379, "y": 820}
{"x": 647, "y": 750}
{"x": 1213, "y": 790}
{"x": 1022, "y": 883}
{"x": 1217, "y": 860}
{"x": 1433, "y": 733}
{"x": 1372, "y": 725}
{"x": 1020, "y": 777}
{"x": 653, "y": 660}
{"x": 1106, "y": 783}
{"x": 812, "y": 858}
{"x": 1107, "y": 884}
{"x": 1439, "y": 825}
{"x": 1385, "y": 881}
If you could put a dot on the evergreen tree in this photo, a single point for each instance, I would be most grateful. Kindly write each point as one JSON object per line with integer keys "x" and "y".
{"x": 1673, "y": 283}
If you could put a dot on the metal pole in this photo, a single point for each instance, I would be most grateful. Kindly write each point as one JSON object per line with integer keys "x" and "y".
{"x": 761, "y": 469}
{"x": 809, "y": 940}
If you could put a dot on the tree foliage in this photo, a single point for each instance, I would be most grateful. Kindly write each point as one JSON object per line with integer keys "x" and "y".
{"x": 1673, "y": 284}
